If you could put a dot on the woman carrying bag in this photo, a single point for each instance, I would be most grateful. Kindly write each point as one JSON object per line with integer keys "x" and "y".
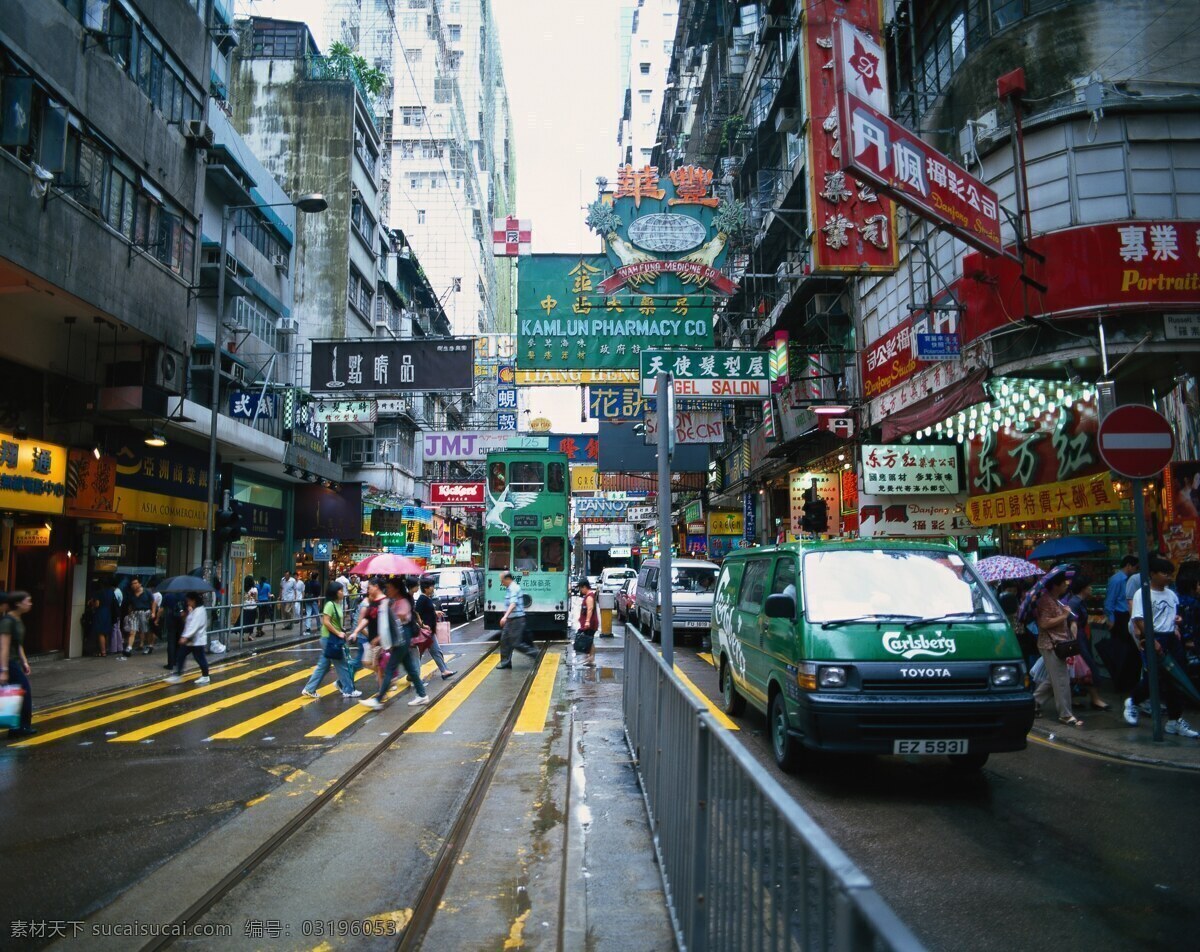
{"x": 333, "y": 647}
{"x": 1056, "y": 643}
{"x": 589, "y": 623}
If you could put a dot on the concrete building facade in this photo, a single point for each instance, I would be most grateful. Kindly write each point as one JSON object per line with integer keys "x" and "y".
{"x": 651, "y": 40}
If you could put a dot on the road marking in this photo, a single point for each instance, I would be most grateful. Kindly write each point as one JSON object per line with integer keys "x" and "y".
{"x": 1080, "y": 752}
{"x": 536, "y": 709}
{"x": 226, "y": 702}
{"x": 283, "y": 710}
{"x": 335, "y": 725}
{"x": 158, "y": 685}
{"x": 706, "y": 657}
{"x": 450, "y": 702}
{"x": 715, "y": 711}
{"x": 143, "y": 708}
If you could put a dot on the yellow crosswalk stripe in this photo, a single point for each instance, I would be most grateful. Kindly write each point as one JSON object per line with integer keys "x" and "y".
{"x": 447, "y": 705}
{"x": 335, "y": 725}
{"x": 535, "y": 710}
{"x": 226, "y": 702}
{"x": 86, "y": 705}
{"x": 143, "y": 708}
{"x": 283, "y": 710}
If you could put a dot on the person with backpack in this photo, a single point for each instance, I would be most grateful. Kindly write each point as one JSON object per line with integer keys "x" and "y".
{"x": 589, "y": 624}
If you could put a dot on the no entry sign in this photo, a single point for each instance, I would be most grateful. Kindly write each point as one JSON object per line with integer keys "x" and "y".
{"x": 1136, "y": 441}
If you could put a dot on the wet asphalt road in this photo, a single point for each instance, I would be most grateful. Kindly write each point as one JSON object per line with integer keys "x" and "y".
{"x": 1044, "y": 849}
{"x": 86, "y": 816}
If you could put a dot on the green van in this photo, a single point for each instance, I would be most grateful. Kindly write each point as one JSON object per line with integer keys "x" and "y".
{"x": 869, "y": 647}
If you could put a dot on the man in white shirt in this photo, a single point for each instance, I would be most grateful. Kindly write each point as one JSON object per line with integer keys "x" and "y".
{"x": 288, "y": 599}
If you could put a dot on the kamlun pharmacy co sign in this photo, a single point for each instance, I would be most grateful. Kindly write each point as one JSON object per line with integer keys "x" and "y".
{"x": 665, "y": 240}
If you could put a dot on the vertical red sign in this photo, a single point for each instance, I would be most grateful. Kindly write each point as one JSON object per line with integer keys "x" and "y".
{"x": 853, "y": 226}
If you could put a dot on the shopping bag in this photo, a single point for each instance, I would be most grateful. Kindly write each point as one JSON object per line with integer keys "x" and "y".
{"x": 422, "y": 639}
{"x": 443, "y": 632}
{"x": 1080, "y": 672}
{"x": 116, "y": 643}
{"x": 11, "y": 696}
{"x": 1038, "y": 671}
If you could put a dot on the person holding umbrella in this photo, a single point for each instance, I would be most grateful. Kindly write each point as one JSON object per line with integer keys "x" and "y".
{"x": 192, "y": 640}
{"x": 1054, "y": 627}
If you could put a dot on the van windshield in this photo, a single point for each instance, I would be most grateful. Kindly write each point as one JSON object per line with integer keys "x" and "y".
{"x": 698, "y": 580}
{"x": 449, "y": 579}
{"x": 912, "y": 585}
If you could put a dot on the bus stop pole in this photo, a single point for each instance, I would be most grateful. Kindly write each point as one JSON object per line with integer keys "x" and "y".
{"x": 662, "y": 388}
{"x": 1148, "y": 632}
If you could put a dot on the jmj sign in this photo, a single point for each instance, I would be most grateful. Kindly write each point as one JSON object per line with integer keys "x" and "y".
{"x": 443, "y": 446}
{"x": 456, "y": 494}
{"x": 731, "y": 374}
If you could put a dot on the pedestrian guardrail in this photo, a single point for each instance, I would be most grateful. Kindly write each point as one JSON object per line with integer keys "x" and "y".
{"x": 272, "y": 621}
{"x": 743, "y": 865}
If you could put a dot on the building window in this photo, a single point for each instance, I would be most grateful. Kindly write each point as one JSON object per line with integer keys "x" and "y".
{"x": 358, "y": 294}
{"x": 455, "y": 31}
{"x": 365, "y": 150}
{"x": 645, "y": 95}
{"x": 278, "y": 40}
{"x": 412, "y": 116}
{"x": 414, "y": 54}
{"x": 363, "y": 223}
{"x": 645, "y": 68}
{"x": 420, "y": 216}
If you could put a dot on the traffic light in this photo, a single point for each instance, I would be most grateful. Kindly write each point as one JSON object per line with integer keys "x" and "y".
{"x": 816, "y": 512}
{"x": 227, "y": 528}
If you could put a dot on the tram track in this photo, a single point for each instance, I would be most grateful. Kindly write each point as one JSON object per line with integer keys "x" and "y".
{"x": 433, "y": 887}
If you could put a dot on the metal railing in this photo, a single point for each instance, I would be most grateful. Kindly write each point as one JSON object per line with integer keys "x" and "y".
{"x": 228, "y": 624}
{"x": 744, "y": 866}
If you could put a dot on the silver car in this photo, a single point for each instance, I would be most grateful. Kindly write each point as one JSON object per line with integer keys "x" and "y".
{"x": 693, "y": 582}
{"x": 457, "y": 591}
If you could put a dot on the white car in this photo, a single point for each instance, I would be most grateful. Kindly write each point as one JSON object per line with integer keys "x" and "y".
{"x": 612, "y": 580}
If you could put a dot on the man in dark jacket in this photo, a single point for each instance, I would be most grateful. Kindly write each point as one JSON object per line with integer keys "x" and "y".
{"x": 429, "y": 615}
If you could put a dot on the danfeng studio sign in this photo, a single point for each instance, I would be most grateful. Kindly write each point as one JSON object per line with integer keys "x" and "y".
{"x": 880, "y": 151}
{"x": 392, "y": 366}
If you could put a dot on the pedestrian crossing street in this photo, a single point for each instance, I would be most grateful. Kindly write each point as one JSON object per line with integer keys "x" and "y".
{"x": 184, "y": 713}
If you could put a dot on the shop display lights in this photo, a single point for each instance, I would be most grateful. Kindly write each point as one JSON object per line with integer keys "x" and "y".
{"x": 1011, "y": 401}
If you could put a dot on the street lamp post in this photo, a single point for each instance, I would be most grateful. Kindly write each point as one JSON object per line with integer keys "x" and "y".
{"x": 310, "y": 203}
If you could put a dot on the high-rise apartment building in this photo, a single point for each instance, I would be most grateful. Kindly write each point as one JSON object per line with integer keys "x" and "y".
{"x": 644, "y": 61}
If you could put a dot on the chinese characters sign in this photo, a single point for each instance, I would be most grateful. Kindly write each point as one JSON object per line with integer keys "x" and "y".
{"x": 1072, "y": 497}
{"x": 91, "y": 485}
{"x": 881, "y": 152}
{"x": 1036, "y": 450}
{"x": 392, "y": 366}
{"x": 853, "y": 228}
{"x": 584, "y": 448}
{"x": 829, "y": 489}
{"x": 303, "y": 429}
{"x": 162, "y": 485}
{"x": 913, "y": 516}
{"x": 250, "y": 405}
{"x": 347, "y": 411}
{"x": 32, "y": 475}
{"x": 929, "y": 382}
{"x": 910, "y": 470}
{"x": 565, "y": 323}
{"x": 731, "y": 374}
{"x": 617, "y": 403}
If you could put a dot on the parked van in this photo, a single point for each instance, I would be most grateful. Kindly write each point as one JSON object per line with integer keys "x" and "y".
{"x": 869, "y": 647}
{"x": 692, "y": 587}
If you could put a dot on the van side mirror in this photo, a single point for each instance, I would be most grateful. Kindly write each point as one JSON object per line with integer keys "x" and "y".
{"x": 781, "y": 606}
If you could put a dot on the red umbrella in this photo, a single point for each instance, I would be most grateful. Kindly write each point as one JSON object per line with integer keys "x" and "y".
{"x": 388, "y": 564}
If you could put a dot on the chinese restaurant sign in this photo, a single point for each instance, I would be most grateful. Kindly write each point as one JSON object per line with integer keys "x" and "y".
{"x": 392, "y": 366}
{"x": 913, "y": 516}
{"x": 564, "y": 323}
{"x": 910, "y": 470}
{"x": 731, "y": 374}
{"x": 878, "y": 150}
{"x": 1134, "y": 265}
{"x": 853, "y": 227}
{"x": 1071, "y": 497}
{"x": 1040, "y": 449}
{"x": 33, "y": 475}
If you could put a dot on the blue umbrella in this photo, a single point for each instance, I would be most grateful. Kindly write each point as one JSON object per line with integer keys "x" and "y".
{"x": 1062, "y": 548}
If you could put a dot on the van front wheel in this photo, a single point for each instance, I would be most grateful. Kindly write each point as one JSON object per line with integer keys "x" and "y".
{"x": 732, "y": 703}
{"x": 784, "y": 746}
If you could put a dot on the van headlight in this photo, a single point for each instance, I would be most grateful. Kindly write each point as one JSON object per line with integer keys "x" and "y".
{"x": 832, "y": 677}
{"x": 1006, "y": 675}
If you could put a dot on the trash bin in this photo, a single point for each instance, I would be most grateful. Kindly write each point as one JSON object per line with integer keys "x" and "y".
{"x": 607, "y": 604}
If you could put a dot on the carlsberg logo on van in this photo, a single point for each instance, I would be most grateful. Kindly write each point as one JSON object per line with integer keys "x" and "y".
{"x": 911, "y": 646}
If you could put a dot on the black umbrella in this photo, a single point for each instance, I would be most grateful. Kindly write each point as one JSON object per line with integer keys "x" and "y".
{"x": 184, "y": 583}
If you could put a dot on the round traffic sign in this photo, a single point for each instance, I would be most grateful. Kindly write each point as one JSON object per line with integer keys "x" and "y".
{"x": 1136, "y": 441}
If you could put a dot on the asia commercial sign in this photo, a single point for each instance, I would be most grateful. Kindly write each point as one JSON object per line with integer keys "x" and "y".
{"x": 347, "y": 411}
{"x": 911, "y": 470}
{"x": 913, "y": 516}
{"x": 392, "y": 366}
{"x": 853, "y": 225}
{"x": 455, "y": 445}
{"x": 456, "y": 494}
{"x": 1136, "y": 265}
{"x": 698, "y": 426}
{"x": 729, "y": 374}
{"x": 1040, "y": 448}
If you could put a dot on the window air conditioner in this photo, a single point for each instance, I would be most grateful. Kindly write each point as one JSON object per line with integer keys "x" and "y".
{"x": 287, "y": 326}
{"x": 198, "y": 133}
{"x": 280, "y": 261}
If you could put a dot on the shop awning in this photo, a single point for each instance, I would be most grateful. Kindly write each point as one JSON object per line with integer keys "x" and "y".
{"x": 937, "y": 408}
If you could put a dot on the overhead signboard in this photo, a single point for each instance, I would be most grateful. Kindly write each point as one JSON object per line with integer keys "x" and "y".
{"x": 829, "y": 489}
{"x": 930, "y": 382}
{"x": 585, "y": 479}
{"x": 598, "y": 509}
{"x": 728, "y": 374}
{"x": 620, "y": 552}
{"x": 31, "y": 536}
{"x": 301, "y": 427}
{"x": 640, "y": 513}
{"x": 726, "y": 523}
{"x": 456, "y": 445}
{"x": 1058, "y": 500}
{"x": 691, "y": 426}
{"x": 32, "y": 475}
{"x": 911, "y": 469}
{"x": 853, "y": 226}
{"x": 347, "y": 411}
{"x": 938, "y": 347}
{"x": 392, "y": 366}
{"x": 913, "y": 516}
{"x": 558, "y": 378}
{"x": 456, "y": 494}
{"x": 617, "y": 402}
{"x": 879, "y": 151}
{"x": 253, "y": 405}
